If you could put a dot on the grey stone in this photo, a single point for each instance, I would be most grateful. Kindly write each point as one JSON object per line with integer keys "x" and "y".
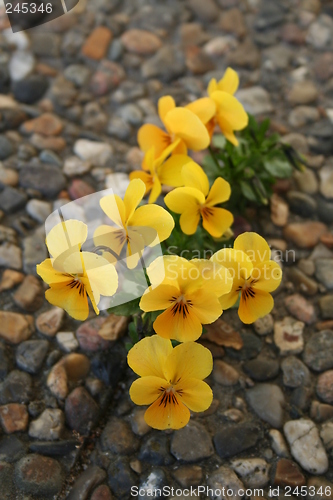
{"x": 301, "y": 204}
{"x": 253, "y": 471}
{"x": 16, "y": 388}
{"x": 10, "y": 256}
{"x": 77, "y": 74}
{"x": 295, "y": 373}
{"x": 182, "y": 443}
{"x": 154, "y": 480}
{"x": 30, "y": 355}
{"x": 262, "y": 368}
{"x": 46, "y": 179}
{"x": 224, "y": 477}
{"x": 269, "y": 15}
{"x": 324, "y": 272}
{"x": 118, "y": 438}
{"x": 49, "y": 425}
{"x": 30, "y": 89}
{"x": 119, "y": 128}
{"x": 6, "y": 147}
{"x": 86, "y": 482}
{"x": 34, "y": 251}
{"x": 38, "y": 475}
{"x": 256, "y": 100}
{"x": 155, "y": 450}
{"x": 167, "y": 63}
{"x": 12, "y": 199}
{"x": 326, "y": 306}
{"x": 39, "y": 210}
{"x": 81, "y": 411}
{"x": 11, "y": 449}
{"x": 121, "y": 477}
{"x": 232, "y": 440}
{"x": 267, "y": 401}
{"x": 318, "y": 352}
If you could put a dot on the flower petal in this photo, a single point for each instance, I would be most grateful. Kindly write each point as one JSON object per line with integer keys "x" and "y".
{"x": 165, "y": 104}
{"x": 252, "y": 308}
{"x": 65, "y": 235}
{"x": 205, "y": 305}
{"x": 231, "y": 110}
{"x": 219, "y": 192}
{"x": 133, "y": 195}
{"x": 195, "y": 394}
{"x": 230, "y": 82}
{"x": 189, "y": 221}
{"x": 173, "y": 415}
{"x": 212, "y": 87}
{"x": 194, "y": 177}
{"x": 159, "y": 298}
{"x": 101, "y": 274}
{"x": 153, "y": 217}
{"x": 204, "y": 108}
{"x": 187, "y": 126}
{"x": 113, "y": 206}
{"x": 145, "y": 177}
{"x": 255, "y": 246}
{"x": 178, "y": 327}
{"x": 267, "y": 275}
{"x": 165, "y": 269}
{"x": 215, "y": 277}
{"x": 237, "y": 261}
{"x": 148, "y": 356}
{"x": 69, "y": 298}
{"x": 156, "y": 190}
{"x": 111, "y": 237}
{"x": 152, "y": 136}
{"x": 145, "y": 390}
{"x": 216, "y": 221}
{"x": 170, "y": 173}
{"x": 184, "y": 199}
{"x": 187, "y": 361}
{"x": 51, "y": 275}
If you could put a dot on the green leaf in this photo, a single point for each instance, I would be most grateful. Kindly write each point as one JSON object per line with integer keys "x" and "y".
{"x": 127, "y": 308}
{"x": 278, "y": 167}
{"x": 247, "y": 191}
{"x": 219, "y": 141}
{"x": 132, "y": 331}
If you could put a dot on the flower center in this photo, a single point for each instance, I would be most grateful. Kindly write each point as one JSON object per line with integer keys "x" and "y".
{"x": 247, "y": 289}
{"x": 76, "y": 283}
{"x": 181, "y": 305}
{"x": 169, "y": 395}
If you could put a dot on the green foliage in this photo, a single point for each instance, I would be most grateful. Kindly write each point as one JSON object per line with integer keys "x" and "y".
{"x": 127, "y": 308}
{"x": 253, "y": 167}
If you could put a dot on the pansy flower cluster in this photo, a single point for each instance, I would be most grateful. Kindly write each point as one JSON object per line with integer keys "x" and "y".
{"x": 183, "y": 295}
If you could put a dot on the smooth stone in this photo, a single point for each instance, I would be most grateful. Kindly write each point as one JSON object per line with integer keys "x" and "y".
{"x": 306, "y": 181}
{"x": 14, "y": 418}
{"x": 265, "y": 325}
{"x": 10, "y": 256}
{"x": 16, "y": 388}
{"x": 295, "y": 373}
{"x": 269, "y": 16}
{"x": 252, "y": 471}
{"x": 208, "y": 12}
{"x": 141, "y": 41}
{"x": 46, "y": 179}
{"x": 325, "y": 386}
{"x": 248, "y": 56}
{"x": 287, "y": 473}
{"x": 324, "y": 272}
{"x": 303, "y": 283}
{"x": 77, "y": 74}
{"x": 118, "y": 439}
{"x": 30, "y": 355}
{"x": 93, "y": 476}
{"x": 54, "y": 448}
{"x": 278, "y": 443}
{"x": 155, "y": 451}
{"x": 225, "y": 374}
{"x": 72, "y": 367}
{"x": 93, "y": 151}
{"x": 326, "y": 181}
{"x": 304, "y": 92}
{"x": 46, "y": 124}
{"x": 67, "y": 341}
{"x": 48, "y": 426}
{"x": 38, "y": 475}
{"x": 11, "y": 449}
{"x": 50, "y": 321}
{"x": 305, "y": 234}
{"x": 121, "y": 477}
{"x": 97, "y": 43}
{"x": 34, "y": 251}
{"x": 6, "y": 147}
{"x": 75, "y": 166}
{"x": 326, "y": 434}
{"x": 326, "y": 306}
{"x": 224, "y": 477}
{"x": 320, "y": 32}
{"x": 268, "y": 402}
{"x": 81, "y": 411}
{"x": 320, "y": 412}
{"x": 154, "y": 480}
{"x": 318, "y": 352}
{"x": 252, "y": 346}
{"x": 30, "y": 89}
{"x": 182, "y": 443}
{"x": 30, "y": 294}
{"x": 15, "y": 328}
{"x": 301, "y": 204}
{"x": 188, "y": 475}
{"x": 232, "y": 440}
{"x": 88, "y": 335}
{"x": 39, "y": 210}
{"x": 303, "y": 115}
{"x": 12, "y": 199}
{"x": 262, "y": 368}
{"x": 168, "y": 63}
{"x": 138, "y": 423}
{"x": 306, "y": 446}
{"x": 301, "y": 308}
{"x": 288, "y": 336}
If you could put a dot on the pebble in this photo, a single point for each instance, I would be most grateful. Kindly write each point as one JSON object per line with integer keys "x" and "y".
{"x": 39, "y": 210}
{"x": 301, "y": 204}
{"x": 278, "y": 443}
{"x": 265, "y": 325}
{"x": 10, "y": 256}
{"x": 138, "y": 423}
{"x": 188, "y": 475}
{"x": 154, "y": 480}
{"x": 155, "y": 450}
{"x": 50, "y": 321}
{"x": 279, "y": 211}
{"x": 222, "y": 334}
{"x": 38, "y": 475}
{"x": 30, "y": 294}
{"x": 16, "y": 388}
{"x": 321, "y": 411}
{"x": 97, "y": 44}
{"x": 81, "y": 411}
{"x": 46, "y": 179}
{"x": 268, "y": 402}
{"x": 118, "y": 439}
{"x": 303, "y": 115}
{"x": 88, "y": 335}
{"x": 30, "y": 355}
{"x": 300, "y": 308}
{"x": 326, "y": 434}
{"x": 319, "y": 350}
{"x": 262, "y": 368}
{"x": 107, "y": 77}
{"x": 252, "y": 471}
{"x": 14, "y": 418}
{"x": 11, "y": 449}
{"x": 46, "y": 124}
{"x": 326, "y": 306}
{"x": 306, "y": 446}
{"x": 324, "y": 66}
{"x": 48, "y": 426}
{"x": 234, "y": 439}
{"x": 320, "y": 32}
{"x": 75, "y": 166}
{"x": 167, "y": 63}
{"x": 87, "y": 482}
{"x": 15, "y": 327}
{"x": 304, "y": 92}
{"x": 295, "y": 373}
{"x": 319, "y": 483}
{"x": 225, "y": 374}
{"x": 6, "y": 147}
{"x": 326, "y": 181}
{"x": 30, "y": 89}
{"x": 302, "y": 282}
{"x": 34, "y": 250}
{"x": 72, "y": 367}
{"x": 325, "y": 386}
{"x": 224, "y": 477}
{"x": 324, "y": 272}
{"x": 11, "y": 199}
{"x": 288, "y": 336}
{"x": 114, "y": 327}
{"x": 247, "y": 56}
{"x": 67, "y": 341}
{"x": 121, "y": 477}
{"x": 207, "y": 13}
{"x": 182, "y": 443}
{"x": 287, "y": 473}
{"x": 8, "y": 177}
{"x": 256, "y": 100}
{"x": 141, "y": 41}
{"x": 98, "y": 152}
{"x": 305, "y": 234}
{"x": 101, "y": 493}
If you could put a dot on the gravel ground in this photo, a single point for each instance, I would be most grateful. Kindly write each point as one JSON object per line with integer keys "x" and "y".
{"x": 73, "y": 94}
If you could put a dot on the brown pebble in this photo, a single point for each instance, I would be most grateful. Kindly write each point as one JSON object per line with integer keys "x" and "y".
{"x": 225, "y": 374}
{"x": 10, "y": 278}
{"x": 141, "y": 41}
{"x": 325, "y": 386}
{"x": 50, "y": 321}
{"x": 15, "y": 328}
{"x": 96, "y": 45}
{"x": 14, "y": 417}
{"x": 114, "y": 327}
{"x": 188, "y": 475}
{"x": 305, "y": 234}
{"x": 46, "y": 124}
{"x": 101, "y": 493}
{"x": 223, "y": 334}
{"x": 287, "y": 473}
{"x": 30, "y": 294}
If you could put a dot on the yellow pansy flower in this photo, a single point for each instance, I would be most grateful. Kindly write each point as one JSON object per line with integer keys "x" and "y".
{"x": 171, "y": 380}
{"x": 229, "y": 113}
{"x": 180, "y": 124}
{"x": 72, "y": 274}
{"x": 136, "y": 227}
{"x": 158, "y": 171}
{"x": 195, "y": 201}
{"x": 254, "y": 276}
{"x": 188, "y": 295}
